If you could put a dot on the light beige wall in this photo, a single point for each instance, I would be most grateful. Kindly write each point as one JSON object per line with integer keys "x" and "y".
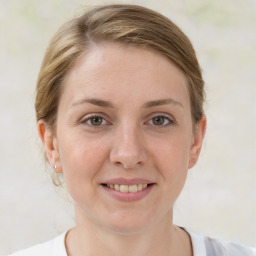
{"x": 219, "y": 197}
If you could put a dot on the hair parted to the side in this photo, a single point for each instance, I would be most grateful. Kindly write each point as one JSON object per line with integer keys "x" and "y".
{"x": 127, "y": 24}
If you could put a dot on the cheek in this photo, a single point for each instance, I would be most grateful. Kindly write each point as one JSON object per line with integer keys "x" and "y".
{"x": 81, "y": 159}
{"x": 173, "y": 152}
{"x": 172, "y": 159}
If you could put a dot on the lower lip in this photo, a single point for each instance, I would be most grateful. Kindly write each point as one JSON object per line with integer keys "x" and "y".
{"x": 128, "y": 196}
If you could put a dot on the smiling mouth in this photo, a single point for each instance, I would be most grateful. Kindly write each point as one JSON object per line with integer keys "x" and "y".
{"x": 127, "y": 188}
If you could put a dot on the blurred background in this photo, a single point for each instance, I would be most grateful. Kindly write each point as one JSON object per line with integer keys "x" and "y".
{"x": 219, "y": 196}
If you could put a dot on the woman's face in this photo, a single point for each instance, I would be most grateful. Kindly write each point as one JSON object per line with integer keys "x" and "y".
{"x": 124, "y": 123}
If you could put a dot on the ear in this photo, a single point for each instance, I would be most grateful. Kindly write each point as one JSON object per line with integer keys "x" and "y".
{"x": 197, "y": 141}
{"x": 50, "y": 144}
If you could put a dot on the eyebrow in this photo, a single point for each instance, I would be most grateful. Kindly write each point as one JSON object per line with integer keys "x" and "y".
{"x": 149, "y": 104}
{"x": 97, "y": 102}
{"x": 155, "y": 103}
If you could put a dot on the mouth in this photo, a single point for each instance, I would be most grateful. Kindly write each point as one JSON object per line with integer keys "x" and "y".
{"x": 128, "y": 190}
{"x": 123, "y": 188}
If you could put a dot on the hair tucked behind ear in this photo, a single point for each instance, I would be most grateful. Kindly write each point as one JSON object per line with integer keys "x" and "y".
{"x": 127, "y": 24}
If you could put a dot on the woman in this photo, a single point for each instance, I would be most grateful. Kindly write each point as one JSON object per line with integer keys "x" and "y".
{"x": 120, "y": 113}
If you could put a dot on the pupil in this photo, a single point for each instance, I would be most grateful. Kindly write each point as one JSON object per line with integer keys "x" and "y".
{"x": 96, "y": 121}
{"x": 158, "y": 120}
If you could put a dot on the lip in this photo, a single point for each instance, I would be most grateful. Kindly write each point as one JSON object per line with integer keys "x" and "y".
{"x": 128, "y": 196}
{"x": 124, "y": 181}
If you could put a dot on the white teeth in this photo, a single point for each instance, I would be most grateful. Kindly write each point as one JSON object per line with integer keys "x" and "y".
{"x": 127, "y": 188}
{"x": 124, "y": 188}
{"x": 139, "y": 187}
{"x": 133, "y": 188}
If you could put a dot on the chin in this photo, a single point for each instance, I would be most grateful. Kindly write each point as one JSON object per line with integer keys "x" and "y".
{"x": 129, "y": 222}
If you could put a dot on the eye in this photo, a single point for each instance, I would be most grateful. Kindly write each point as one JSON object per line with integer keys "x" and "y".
{"x": 160, "y": 121}
{"x": 95, "y": 121}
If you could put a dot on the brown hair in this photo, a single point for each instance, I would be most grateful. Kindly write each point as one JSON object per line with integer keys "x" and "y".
{"x": 127, "y": 24}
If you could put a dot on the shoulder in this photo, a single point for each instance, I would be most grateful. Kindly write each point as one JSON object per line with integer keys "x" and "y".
{"x": 54, "y": 247}
{"x": 205, "y": 245}
{"x": 230, "y": 248}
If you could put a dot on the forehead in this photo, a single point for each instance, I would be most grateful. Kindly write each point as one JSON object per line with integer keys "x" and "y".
{"x": 112, "y": 68}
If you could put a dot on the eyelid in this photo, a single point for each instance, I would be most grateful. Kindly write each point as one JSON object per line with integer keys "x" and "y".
{"x": 165, "y": 115}
{"x": 85, "y": 118}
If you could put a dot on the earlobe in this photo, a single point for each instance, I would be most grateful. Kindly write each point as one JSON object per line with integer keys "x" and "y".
{"x": 197, "y": 142}
{"x": 50, "y": 144}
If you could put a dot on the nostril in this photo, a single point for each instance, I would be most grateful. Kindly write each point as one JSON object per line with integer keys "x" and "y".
{"x": 127, "y": 159}
{"x": 131, "y": 165}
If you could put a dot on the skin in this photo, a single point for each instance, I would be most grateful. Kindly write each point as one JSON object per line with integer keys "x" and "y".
{"x": 133, "y": 138}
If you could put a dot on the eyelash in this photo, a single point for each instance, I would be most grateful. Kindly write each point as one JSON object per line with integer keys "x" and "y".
{"x": 167, "y": 121}
{"x": 90, "y": 118}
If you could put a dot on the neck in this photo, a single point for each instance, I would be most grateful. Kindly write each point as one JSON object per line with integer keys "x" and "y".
{"x": 165, "y": 239}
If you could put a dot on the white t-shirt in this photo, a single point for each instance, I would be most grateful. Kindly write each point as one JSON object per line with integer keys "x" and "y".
{"x": 202, "y": 246}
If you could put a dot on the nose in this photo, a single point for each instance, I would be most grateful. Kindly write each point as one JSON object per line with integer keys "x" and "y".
{"x": 128, "y": 149}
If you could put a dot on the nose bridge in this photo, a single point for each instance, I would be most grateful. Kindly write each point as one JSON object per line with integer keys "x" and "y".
{"x": 128, "y": 148}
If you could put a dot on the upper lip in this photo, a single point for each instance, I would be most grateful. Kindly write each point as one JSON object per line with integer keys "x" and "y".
{"x": 124, "y": 181}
